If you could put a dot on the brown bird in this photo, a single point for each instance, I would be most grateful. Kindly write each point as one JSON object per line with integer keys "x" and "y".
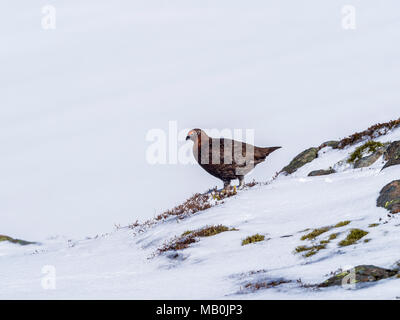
{"x": 226, "y": 159}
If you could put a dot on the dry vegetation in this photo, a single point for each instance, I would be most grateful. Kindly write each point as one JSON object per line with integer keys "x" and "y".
{"x": 196, "y": 203}
{"x": 372, "y": 132}
{"x": 265, "y": 285}
{"x": 189, "y": 237}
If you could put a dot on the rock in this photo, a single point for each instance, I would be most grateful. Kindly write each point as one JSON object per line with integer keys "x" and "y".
{"x": 300, "y": 160}
{"x": 17, "y": 241}
{"x": 392, "y": 154}
{"x": 333, "y": 144}
{"x": 362, "y": 273}
{"x": 321, "y": 172}
{"x": 371, "y": 159}
{"x": 389, "y": 197}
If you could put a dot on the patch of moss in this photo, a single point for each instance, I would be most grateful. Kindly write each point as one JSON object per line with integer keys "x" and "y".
{"x": 373, "y": 225}
{"x": 342, "y": 223}
{"x": 301, "y": 249}
{"x": 367, "y": 240}
{"x": 353, "y": 237}
{"x": 254, "y": 238}
{"x": 370, "y": 147}
{"x": 16, "y": 241}
{"x": 315, "y": 233}
{"x": 333, "y": 236}
{"x": 310, "y": 250}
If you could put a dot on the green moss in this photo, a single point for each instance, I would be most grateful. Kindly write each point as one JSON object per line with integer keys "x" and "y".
{"x": 333, "y": 236}
{"x": 310, "y": 251}
{"x": 367, "y": 240}
{"x": 301, "y": 249}
{"x": 315, "y": 233}
{"x": 342, "y": 223}
{"x": 370, "y": 147}
{"x": 254, "y": 238}
{"x": 353, "y": 237}
{"x": 16, "y": 241}
{"x": 373, "y": 225}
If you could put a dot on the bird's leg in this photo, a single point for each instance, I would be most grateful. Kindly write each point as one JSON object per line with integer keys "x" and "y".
{"x": 227, "y": 185}
{"x": 241, "y": 182}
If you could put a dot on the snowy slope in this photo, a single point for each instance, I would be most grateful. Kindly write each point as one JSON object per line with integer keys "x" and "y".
{"x": 123, "y": 264}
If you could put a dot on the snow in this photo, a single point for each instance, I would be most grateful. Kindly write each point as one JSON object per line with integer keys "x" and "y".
{"x": 124, "y": 264}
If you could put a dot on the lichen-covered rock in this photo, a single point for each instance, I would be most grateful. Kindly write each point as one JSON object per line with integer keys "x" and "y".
{"x": 392, "y": 155}
{"x": 333, "y": 144}
{"x": 389, "y": 197}
{"x": 300, "y": 160}
{"x": 362, "y": 273}
{"x": 321, "y": 172}
{"x": 16, "y": 241}
{"x": 371, "y": 159}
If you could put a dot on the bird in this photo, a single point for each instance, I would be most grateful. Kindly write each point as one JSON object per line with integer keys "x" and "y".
{"x": 226, "y": 159}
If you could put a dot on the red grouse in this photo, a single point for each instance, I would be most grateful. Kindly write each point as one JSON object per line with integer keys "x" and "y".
{"x": 226, "y": 159}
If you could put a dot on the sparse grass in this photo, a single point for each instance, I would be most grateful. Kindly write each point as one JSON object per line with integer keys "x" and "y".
{"x": 342, "y": 224}
{"x": 353, "y": 236}
{"x": 315, "y": 233}
{"x": 252, "y": 239}
{"x": 189, "y": 237}
{"x": 370, "y": 147}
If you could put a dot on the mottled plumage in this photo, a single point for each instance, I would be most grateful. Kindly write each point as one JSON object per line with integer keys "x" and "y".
{"x": 226, "y": 159}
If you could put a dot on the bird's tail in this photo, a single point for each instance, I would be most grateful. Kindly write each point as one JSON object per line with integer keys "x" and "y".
{"x": 269, "y": 150}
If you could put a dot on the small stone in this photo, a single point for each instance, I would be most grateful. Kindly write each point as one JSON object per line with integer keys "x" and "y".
{"x": 332, "y": 143}
{"x": 321, "y": 172}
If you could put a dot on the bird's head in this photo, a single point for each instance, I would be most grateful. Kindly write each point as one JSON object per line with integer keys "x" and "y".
{"x": 194, "y": 134}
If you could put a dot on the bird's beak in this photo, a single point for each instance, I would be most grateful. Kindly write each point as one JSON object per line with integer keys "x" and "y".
{"x": 187, "y": 138}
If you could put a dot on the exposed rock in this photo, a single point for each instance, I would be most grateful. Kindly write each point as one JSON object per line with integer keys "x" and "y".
{"x": 300, "y": 160}
{"x": 389, "y": 197}
{"x": 16, "y": 241}
{"x": 321, "y": 172}
{"x": 363, "y": 273}
{"x": 392, "y": 154}
{"x": 333, "y": 144}
{"x": 371, "y": 159}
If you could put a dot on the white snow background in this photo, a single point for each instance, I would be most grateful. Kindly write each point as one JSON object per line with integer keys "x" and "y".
{"x": 77, "y": 102}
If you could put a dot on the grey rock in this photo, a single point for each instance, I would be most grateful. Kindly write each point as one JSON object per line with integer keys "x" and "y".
{"x": 371, "y": 159}
{"x": 389, "y": 197}
{"x": 362, "y": 273}
{"x": 300, "y": 160}
{"x": 392, "y": 154}
{"x": 332, "y": 143}
{"x": 321, "y": 172}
